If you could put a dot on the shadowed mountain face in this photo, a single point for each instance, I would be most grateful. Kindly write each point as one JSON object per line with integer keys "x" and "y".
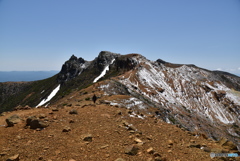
{"x": 207, "y": 102}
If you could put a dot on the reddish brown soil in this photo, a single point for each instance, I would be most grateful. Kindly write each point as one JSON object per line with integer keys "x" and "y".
{"x": 110, "y": 136}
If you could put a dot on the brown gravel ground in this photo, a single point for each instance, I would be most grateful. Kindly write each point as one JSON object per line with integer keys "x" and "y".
{"x": 110, "y": 136}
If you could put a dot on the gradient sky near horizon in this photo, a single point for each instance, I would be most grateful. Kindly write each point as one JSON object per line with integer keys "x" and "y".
{"x": 42, "y": 35}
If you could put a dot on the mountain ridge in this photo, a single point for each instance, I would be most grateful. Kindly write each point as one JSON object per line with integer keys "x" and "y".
{"x": 191, "y": 97}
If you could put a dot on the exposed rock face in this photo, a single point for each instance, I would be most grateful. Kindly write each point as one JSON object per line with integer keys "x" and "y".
{"x": 75, "y": 66}
{"x": 72, "y": 68}
{"x": 104, "y": 58}
{"x": 125, "y": 63}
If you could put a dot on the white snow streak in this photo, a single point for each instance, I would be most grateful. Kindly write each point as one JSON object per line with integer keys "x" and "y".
{"x": 52, "y": 94}
{"x": 103, "y": 72}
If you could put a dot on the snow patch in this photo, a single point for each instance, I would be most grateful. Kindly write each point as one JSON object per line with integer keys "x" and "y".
{"x": 136, "y": 115}
{"x": 52, "y": 94}
{"x": 114, "y": 104}
{"x": 103, "y": 72}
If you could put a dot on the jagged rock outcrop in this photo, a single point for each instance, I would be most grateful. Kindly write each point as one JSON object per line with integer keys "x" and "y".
{"x": 104, "y": 58}
{"x": 72, "y": 68}
{"x": 75, "y": 66}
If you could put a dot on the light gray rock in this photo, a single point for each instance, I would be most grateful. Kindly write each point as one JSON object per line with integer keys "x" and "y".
{"x": 14, "y": 119}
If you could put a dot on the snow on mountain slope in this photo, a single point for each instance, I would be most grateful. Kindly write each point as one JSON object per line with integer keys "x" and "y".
{"x": 52, "y": 94}
{"x": 180, "y": 87}
{"x": 103, "y": 72}
{"x": 190, "y": 96}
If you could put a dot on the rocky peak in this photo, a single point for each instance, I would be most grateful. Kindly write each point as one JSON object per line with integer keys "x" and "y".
{"x": 160, "y": 61}
{"x": 73, "y": 57}
{"x": 72, "y": 68}
{"x": 126, "y": 62}
{"x": 105, "y": 58}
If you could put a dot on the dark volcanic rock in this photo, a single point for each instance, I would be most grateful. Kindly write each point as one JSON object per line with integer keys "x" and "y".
{"x": 29, "y": 119}
{"x": 72, "y": 68}
{"x": 104, "y": 58}
{"x": 37, "y": 123}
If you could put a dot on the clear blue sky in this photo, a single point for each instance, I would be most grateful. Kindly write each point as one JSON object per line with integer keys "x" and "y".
{"x": 43, "y": 34}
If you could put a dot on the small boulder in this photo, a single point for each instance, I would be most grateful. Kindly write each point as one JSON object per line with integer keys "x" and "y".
{"x": 14, "y": 158}
{"x": 206, "y": 149}
{"x": 156, "y": 154}
{"x": 36, "y": 123}
{"x": 3, "y": 154}
{"x": 138, "y": 140}
{"x": 193, "y": 145}
{"x": 66, "y": 129}
{"x": 87, "y": 137}
{"x": 71, "y": 121}
{"x": 150, "y": 150}
{"x": 29, "y": 119}
{"x": 149, "y": 137}
{"x": 14, "y": 119}
{"x": 73, "y": 112}
{"x": 119, "y": 112}
{"x": 131, "y": 127}
{"x": 42, "y": 116}
{"x": 131, "y": 150}
{"x": 170, "y": 142}
{"x": 55, "y": 109}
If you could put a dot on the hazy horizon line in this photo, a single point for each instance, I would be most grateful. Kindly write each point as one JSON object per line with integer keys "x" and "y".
{"x": 29, "y": 70}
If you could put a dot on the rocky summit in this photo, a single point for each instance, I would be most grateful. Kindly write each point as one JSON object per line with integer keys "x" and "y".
{"x": 122, "y": 107}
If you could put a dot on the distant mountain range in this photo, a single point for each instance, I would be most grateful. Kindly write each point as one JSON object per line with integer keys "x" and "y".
{"x": 17, "y": 76}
